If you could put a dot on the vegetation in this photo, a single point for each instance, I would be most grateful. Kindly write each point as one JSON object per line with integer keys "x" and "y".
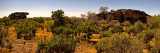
{"x": 115, "y": 36}
{"x": 57, "y": 44}
{"x": 120, "y": 43}
{"x": 26, "y": 29}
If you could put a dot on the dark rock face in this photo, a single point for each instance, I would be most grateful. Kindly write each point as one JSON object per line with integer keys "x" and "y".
{"x": 18, "y": 15}
{"x": 124, "y": 15}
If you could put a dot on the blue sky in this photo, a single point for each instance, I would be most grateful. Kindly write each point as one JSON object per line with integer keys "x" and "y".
{"x": 43, "y": 8}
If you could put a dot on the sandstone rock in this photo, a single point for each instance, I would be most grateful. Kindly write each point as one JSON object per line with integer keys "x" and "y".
{"x": 18, "y": 15}
{"x": 124, "y": 15}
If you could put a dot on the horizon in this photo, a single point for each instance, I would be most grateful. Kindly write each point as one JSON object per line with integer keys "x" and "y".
{"x": 43, "y": 8}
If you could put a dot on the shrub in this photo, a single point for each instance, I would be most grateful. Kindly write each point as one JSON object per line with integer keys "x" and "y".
{"x": 154, "y": 21}
{"x": 127, "y": 23}
{"x": 156, "y": 47}
{"x": 9, "y": 46}
{"x": 122, "y": 43}
{"x": 38, "y": 19}
{"x": 26, "y": 29}
{"x": 146, "y": 36}
{"x": 57, "y": 44}
{"x": 136, "y": 28}
{"x": 117, "y": 29}
{"x": 104, "y": 34}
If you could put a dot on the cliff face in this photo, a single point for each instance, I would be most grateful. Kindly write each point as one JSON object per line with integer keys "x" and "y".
{"x": 124, "y": 15}
{"x": 18, "y": 15}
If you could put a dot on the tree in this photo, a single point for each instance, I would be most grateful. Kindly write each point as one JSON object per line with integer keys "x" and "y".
{"x": 83, "y": 16}
{"x": 7, "y": 21}
{"x": 103, "y": 9}
{"x": 122, "y": 43}
{"x": 92, "y": 16}
{"x": 59, "y": 18}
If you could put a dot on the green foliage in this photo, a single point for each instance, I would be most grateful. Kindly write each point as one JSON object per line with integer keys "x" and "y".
{"x": 49, "y": 26}
{"x": 103, "y": 27}
{"x": 59, "y": 18}
{"x": 146, "y": 36}
{"x": 122, "y": 43}
{"x": 104, "y": 34}
{"x": 136, "y": 28}
{"x": 58, "y": 44}
{"x": 117, "y": 29}
{"x": 63, "y": 30}
{"x": 7, "y": 21}
{"x": 26, "y": 29}
{"x": 87, "y": 27}
{"x": 154, "y": 21}
{"x": 9, "y": 46}
{"x": 38, "y": 19}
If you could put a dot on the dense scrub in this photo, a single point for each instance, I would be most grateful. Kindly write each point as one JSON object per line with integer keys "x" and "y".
{"x": 115, "y": 36}
{"x": 58, "y": 44}
{"x": 122, "y": 43}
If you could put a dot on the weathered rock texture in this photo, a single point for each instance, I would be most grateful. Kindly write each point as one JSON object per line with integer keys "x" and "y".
{"x": 18, "y": 15}
{"x": 124, "y": 15}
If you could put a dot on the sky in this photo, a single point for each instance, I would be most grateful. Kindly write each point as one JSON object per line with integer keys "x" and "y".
{"x": 43, "y": 8}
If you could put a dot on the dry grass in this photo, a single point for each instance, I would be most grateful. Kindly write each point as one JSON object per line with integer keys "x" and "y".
{"x": 85, "y": 47}
{"x": 11, "y": 31}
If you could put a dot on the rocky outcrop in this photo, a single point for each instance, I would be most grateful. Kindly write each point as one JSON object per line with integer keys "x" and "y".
{"x": 124, "y": 15}
{"x": 18, "y": 15}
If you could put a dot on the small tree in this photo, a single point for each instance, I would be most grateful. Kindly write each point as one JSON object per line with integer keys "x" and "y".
{"x": 103, "y": 9}
{"x": 59, "y": 18}
{"x": 83, "y": 16}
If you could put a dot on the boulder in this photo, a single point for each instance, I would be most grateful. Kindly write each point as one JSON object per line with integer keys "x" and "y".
{"x": 18, "y": 15}
{"x": 124, "y": 15}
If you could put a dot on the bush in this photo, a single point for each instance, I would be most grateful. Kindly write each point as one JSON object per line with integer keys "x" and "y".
{"x": 9, "y": 46}
{"x": 156, "y": 47}
{"x": 146, "y": 36}
{"x": 154, "y": 21}
{"x": 104, "y": 34}
{"x": 136, "y": 28}
{"x": 38, "y": 19}
{"x": 57, "y": 44}
{"x": 117, "y": 29}
{"x": 122, "y": 43}
{"x": 26, "y": 29}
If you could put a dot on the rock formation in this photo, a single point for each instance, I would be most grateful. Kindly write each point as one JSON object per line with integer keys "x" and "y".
{"x": 124, "y": 15}
{"x": 18, "y": 15}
